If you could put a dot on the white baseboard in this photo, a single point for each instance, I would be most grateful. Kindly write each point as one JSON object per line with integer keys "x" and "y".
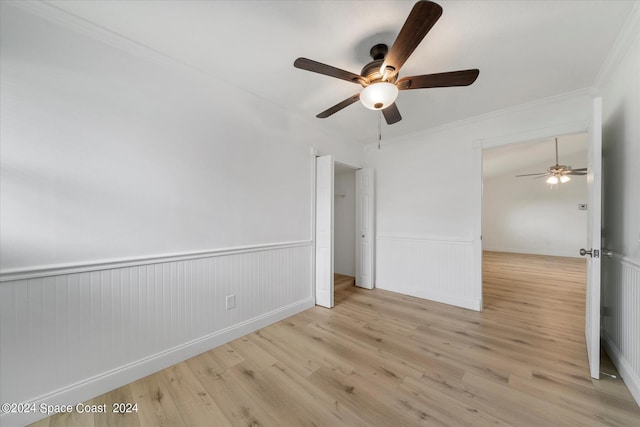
{"x": 631, "y": 379}
{"x": 111, "y": 380}
{"x": 471, "y": 304}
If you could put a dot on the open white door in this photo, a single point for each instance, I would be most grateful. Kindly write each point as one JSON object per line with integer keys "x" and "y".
{"x": 364, "y": 228}
{"x": 594, "y": 184}
{"x": 324, "y": 231}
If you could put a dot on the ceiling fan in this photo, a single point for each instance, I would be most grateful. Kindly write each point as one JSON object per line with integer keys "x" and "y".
{"x": 379, "y": 78}
{"x": 557, "y": 173}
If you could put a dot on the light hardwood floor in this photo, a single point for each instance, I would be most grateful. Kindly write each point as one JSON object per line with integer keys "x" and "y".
{"x": 383, "y": 359}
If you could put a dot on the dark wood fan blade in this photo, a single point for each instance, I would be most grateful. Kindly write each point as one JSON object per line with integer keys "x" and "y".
{"x": 574, "y": 172}
{"x": 531, "y": 174}
{"x": 339, "y": 106}
{"x": 451, "y": 78}
{"x": 578, "y": 170}
{"x": 392, "y": 114}
{"x": 420, "y": 20}
{"x": 327, "y": 70}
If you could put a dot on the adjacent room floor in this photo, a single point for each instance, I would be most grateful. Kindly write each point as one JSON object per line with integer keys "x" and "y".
{"x": 384, "y": 359}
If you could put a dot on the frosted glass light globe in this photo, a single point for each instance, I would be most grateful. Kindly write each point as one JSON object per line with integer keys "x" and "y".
{"x": 379, "y": 96}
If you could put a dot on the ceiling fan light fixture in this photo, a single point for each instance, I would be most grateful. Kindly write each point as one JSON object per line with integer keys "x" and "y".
{"x": 552, "y": 179}
{"x": 564, "y": 178}
{"x": 379, "y": 96}
{"x": 379, "y": 77}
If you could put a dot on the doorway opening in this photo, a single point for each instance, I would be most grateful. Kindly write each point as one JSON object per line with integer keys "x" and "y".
{"x": 526, "y": 217}
{"x": 344, "y": 230}
{"x": 593, "y": 128}
{"x": 353, "y": 217}
{"x": 527, "y": 214}
{"x": 532, "y": 234}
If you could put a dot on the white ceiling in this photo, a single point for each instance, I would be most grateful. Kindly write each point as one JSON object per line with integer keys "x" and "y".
{"x": 525, "y": 50}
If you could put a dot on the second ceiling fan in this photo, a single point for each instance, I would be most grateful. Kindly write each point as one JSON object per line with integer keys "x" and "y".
{"x": 379, "y": 78}
{"x": 557, "y": 173}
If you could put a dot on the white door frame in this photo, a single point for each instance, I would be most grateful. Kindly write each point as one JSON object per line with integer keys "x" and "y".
{"x": 570, "y": 128}
{"x": 314, "y": 219}
{"x": 478, "y": 146}
{"x": 594, "y": 226}
{"x": 365, "y": 228}
{"x": 324, "y": 231}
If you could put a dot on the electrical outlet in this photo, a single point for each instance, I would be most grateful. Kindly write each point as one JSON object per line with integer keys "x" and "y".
{"x": 231, "y": 302}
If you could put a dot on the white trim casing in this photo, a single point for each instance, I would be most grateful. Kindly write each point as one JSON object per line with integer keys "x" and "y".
{"x": 324, "y": 231}
{"x": 7, "y": 275}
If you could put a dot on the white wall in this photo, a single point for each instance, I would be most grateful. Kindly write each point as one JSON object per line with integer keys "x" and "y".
{"x": 621, "y": 156}
{"x": 101, "y": 149}
{"x": 345, "y": 223}
{"x": 135, "y": 195}
{"x": 619, "y": 85}
{"x": 428, "y": 197}
{"x": 525, "y": 215}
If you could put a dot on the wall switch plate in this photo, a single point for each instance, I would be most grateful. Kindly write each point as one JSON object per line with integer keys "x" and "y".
{"x": 231, "y": 302}
{"x": 582, "y": 206}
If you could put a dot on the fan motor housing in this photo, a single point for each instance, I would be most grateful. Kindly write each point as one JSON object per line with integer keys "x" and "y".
{"x": 371, "y": 71}
{"x": 558, "y": 169}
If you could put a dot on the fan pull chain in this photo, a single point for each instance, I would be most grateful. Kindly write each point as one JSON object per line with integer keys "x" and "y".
{"x": 379, "y": 130}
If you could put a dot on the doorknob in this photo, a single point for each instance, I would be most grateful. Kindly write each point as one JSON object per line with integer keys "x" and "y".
{"x": 594, "y": 253}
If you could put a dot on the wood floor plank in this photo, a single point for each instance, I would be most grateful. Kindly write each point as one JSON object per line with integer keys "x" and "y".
{"x": 453, "y": 411}
{"x": 155, "y": 404}
{"x": 226, "y": 355}
{"x": 587, "y": 401}
{"x": 331, "y": 410}
{"x": 239, "y": 407}
{"x": 118, "y": 396}
{"x": 194, "y": 403}
{"x": 276, "y": 397}
{"x": 282, "y": 352}
{"x": 384, "y": 359}
{"x": 360, "y": 396}
{"x": 73, "y": 419}
{"x": 538, "y": 411}
{"x": 42, "y": 423}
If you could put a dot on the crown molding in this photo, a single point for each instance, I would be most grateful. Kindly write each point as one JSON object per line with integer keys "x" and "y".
{"x": 78, "y": 24}
{"x": 624, "y": 42}
{"x": 68, "y": 20}
{"x": 628, "y": 34}
{"x": 539, "y": 103}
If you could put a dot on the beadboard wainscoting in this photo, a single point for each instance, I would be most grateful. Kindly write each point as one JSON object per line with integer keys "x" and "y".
{"x": 437, "y": 270}
{"x": 621, "y": 317}
{"x": 67, "y": 337}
